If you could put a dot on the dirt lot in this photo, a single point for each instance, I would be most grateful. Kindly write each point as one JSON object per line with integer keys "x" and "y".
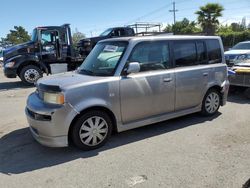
{"x": 191, "y": 151}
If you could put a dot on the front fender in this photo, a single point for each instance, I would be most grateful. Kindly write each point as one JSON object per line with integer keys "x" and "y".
{"x": 21, "y": 60}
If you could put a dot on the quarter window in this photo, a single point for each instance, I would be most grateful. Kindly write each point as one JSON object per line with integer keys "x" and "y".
{"x": 185, "y": 54}
{"x": 214, "y": 51}
{"x": 151, "y": 56}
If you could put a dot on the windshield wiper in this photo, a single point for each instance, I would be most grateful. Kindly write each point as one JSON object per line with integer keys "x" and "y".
{"x": 85, "y": 71}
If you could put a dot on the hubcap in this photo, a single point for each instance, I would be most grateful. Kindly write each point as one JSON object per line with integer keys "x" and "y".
{"x": 93, "y": 131}
{"x": 31, "y": 75}
{"x": 212, "y": 102}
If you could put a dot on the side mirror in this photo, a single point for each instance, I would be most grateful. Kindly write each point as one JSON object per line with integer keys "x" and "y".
{"x": 133, "y": 67}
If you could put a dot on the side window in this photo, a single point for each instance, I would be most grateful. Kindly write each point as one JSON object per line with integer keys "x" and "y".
{"x": 46, "y": 37}
{"x": 129, "y": 31}
{"x": 151, "y": 56}
{"x": 214, "y": 51}
{"x": 201, "y": 52}
{"x": 185, "y": 54}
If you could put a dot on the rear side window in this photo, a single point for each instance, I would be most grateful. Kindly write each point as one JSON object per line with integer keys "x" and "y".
{"x": 151, "y": 56}
{"x": 185, "y": 53}
{"x": 214, "y": 51}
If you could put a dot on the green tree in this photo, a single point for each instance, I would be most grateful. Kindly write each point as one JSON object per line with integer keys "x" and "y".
{"x": 183, "y": 27}
{"x": 237, "y": 27}
{"x": 16, "y": 36}
{"x": 208, "y": 17}
{"x": 76, "y": 37}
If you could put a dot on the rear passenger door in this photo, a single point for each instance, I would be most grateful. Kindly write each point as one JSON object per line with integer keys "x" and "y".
{"x": 191, "y": 72}
{"x": 151, "y": 91}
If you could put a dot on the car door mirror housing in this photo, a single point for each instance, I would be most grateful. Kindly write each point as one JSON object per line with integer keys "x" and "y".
{"x": 133, "y": 67}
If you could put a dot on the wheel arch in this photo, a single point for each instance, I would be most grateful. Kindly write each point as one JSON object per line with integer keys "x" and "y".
{"x": 217, "y": 88}
{"x": 31, "y": 61}
{"x": 98, "y": 108}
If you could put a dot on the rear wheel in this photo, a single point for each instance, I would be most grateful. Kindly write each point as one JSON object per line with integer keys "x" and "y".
{"x": 92, "y": 130}
{"x": 211, "y": 103}
{"x": 30, "y": 74}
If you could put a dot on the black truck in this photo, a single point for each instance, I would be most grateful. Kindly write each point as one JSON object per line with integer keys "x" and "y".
{"x": 86, "y": 45}
{"x": 51, "y": 45}
{"x": 48, "y": 45}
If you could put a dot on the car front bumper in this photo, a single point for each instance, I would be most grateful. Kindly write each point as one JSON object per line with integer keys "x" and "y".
{"x": 49, "y": 124}
{"x": 10, "y": 72}
{"x": 224, "y": 91}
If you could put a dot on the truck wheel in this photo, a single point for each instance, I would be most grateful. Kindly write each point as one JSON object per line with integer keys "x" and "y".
{"x": 30, "y": 74}
{"x": 91, "y": 130}
{"x": 211, "y": 102}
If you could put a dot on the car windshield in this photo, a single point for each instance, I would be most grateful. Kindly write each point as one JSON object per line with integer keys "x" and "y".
{"x": 242, "y": 46}
{"x": 103, "y": 59}
{"x": 106, "y": 32}
{"x": 34, "y": 35}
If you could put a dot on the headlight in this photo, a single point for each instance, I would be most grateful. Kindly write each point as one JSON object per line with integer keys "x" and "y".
{"x": 242, "y": 57}
{"x": 55, "y": 98}
{"x": 9, "y": 64}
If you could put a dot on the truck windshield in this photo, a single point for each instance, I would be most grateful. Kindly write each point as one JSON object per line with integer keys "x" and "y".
{"x": 34, "y": 35}
{"x": 106, "y": 32}
{"x": 103, "y": 59}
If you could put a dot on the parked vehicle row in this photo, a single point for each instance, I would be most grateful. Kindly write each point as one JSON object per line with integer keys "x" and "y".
{"x": 125, "y": 83}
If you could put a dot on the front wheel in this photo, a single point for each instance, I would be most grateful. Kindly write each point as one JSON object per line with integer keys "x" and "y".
{"x": 211, "y": 103}
{"x": 30, "y": 74}
{"x": 92, "y": 130}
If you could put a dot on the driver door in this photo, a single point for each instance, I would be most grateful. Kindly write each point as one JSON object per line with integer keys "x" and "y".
{"x": 50, "y": 45}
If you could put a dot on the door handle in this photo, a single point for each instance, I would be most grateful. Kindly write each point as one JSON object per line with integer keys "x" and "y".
{"x": 205, "y": 74}
{"x": 167, "y": 79}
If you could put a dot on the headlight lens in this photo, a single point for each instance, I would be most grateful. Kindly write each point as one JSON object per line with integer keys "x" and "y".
{"x": 9, "y": 64}
{"x": 242, "y": 57}
{"x": 54, "y": 98}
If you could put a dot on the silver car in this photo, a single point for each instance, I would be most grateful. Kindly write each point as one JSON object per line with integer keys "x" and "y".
{"x": 127, "y": 83}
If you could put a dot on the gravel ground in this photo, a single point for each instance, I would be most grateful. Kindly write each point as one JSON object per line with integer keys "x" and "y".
{"x": 190, "y": 151}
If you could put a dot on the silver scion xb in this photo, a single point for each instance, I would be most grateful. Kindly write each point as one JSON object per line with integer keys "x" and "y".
{"x": 127, "y": 83}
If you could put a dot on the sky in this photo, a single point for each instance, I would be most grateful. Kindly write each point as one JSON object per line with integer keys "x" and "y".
{"x": 91, "y": 17}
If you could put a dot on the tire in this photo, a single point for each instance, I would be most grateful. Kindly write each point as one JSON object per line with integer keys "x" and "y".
{"x": 30, "y": 74}
{"x": 211, "y": 103}
{"x": 86, "y": 135}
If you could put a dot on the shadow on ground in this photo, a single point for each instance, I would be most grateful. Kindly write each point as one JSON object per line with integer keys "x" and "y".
{"x": 238, "y": 95}
{"x": 19, "y": 153}
{"x": 12, "y": 85}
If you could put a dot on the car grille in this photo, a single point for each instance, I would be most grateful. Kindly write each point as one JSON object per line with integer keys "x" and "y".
{"x": 39, "y": 117}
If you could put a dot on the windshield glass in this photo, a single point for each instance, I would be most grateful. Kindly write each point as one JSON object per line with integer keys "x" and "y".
{"x": 34, "y": 35}
{"x": 106, "y": 32}
{"x": 242, "y": 46}
{"x": 103, "y": 59}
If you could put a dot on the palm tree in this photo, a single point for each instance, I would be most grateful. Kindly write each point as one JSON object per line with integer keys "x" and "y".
{"x": 208, "y": 17}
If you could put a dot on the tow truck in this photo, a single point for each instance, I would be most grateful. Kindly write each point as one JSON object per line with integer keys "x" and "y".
{"x": 48, "y": 45}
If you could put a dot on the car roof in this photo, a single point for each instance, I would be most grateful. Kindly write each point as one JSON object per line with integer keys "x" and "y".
{"x": 248, "y": 41}
{"x": 160, "y": 37}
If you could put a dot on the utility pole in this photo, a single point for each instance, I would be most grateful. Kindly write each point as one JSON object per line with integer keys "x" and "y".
{"x": 173, "y": 10}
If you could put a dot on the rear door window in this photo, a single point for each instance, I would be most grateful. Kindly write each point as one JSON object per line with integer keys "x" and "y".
{"x": 214, "y": 51}
{"x": 185, "y": 53}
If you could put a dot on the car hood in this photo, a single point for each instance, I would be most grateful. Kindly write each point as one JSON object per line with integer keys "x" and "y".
{"x": 70, "y": 80}
{"x": 236, "y": 52}
{"x": 17, "y": 49}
